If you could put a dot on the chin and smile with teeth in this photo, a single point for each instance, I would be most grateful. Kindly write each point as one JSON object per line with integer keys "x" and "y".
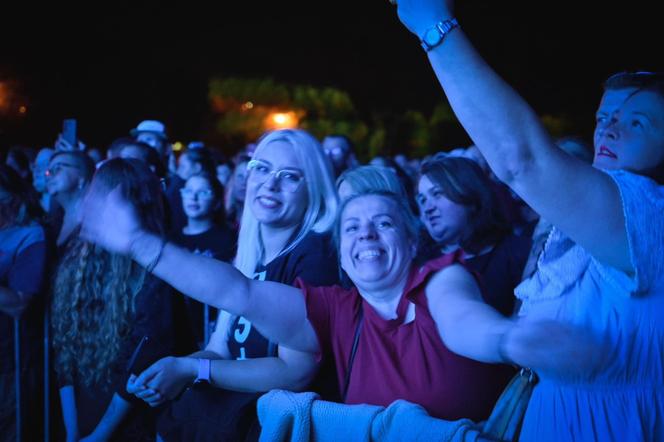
{"x": 268, "y": 202}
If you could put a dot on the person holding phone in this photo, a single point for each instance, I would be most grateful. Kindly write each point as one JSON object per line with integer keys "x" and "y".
{"x": 102, "y": 305}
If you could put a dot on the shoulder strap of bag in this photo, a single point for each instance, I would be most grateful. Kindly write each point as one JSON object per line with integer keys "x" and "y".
{"x": 506, "y": 418}
{"x": 356, "y": 341}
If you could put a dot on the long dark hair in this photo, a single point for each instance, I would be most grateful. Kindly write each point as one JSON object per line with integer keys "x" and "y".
{"x": 463, "y": 182}
{"x": 22, "y": 207}
{"x": 93, "y": 302}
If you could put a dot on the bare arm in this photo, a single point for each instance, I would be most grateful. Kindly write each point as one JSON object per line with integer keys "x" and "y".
{"x": 471, "y": 328}
{"x": 115, "y": 413}
{"x": 570, "y": 194}
{"x": 69, "y": 416}
{"x": 277, "y": 310}
{"x": 164, "y": 380}
{"x": 467, "y": 325}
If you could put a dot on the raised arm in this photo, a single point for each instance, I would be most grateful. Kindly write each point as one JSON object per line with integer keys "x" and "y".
{"x": 565, "y": 191}
{"x": 277, "y": 310}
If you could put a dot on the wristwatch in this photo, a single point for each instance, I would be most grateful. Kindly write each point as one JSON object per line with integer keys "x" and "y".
{"x": 434, "y": 36}
{"x": 203, "y": 371}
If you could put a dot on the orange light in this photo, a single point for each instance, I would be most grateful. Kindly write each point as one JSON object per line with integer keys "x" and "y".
{"x": 282, "y": 120}
{"x": 248, "y": 105}
{"x": 22, "y": 110}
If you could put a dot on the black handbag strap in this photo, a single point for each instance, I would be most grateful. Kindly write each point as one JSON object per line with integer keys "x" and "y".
{"x": 356, "y": 341}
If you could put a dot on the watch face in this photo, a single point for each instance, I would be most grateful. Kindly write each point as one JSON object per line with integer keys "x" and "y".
{"x": 432, "y": 36}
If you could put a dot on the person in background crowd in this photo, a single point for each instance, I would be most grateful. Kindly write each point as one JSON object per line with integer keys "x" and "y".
{"x": 225, "y": 172}
{"x": 191, "y": 161}
{"x": 460, "y": 211}
{"x": 236, "y": 192}
{"x": 19, "y": 159}
{"x": 602, "y": 268}
{"x": 67, "y": 177}
{"x": 143, "y": 152}
{"x": 39, "y": 177}
{"x": 95, "y": 154}
{"x": 113, "y": 150}
{"x": 153, "y": 133}
{"x": 291, "y": 203}
{"x": 22, "y": 269}
{"x": 205, "y": 233}
{"x": 103, "y": 304}
{"x": 339, "y": 149}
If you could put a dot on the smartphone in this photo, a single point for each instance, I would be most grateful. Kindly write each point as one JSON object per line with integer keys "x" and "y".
{"x": 137, "y": 359}
{"x": 69, "y": 132}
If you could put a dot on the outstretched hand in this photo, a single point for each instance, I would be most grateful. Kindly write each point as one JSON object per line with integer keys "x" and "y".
{"x": 109, "y": 220}
{"x": 556, "y": 349}
{"x": 164, "y": 380}
{"x": 419, "y": 15}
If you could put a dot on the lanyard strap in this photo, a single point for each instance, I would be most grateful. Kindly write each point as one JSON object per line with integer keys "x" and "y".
{"x": 356, "y": 341}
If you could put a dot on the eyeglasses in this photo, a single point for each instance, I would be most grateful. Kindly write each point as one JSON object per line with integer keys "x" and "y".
{"x": 205, "y": 194}
{"x": 335, "y": 152}
{"x": 56, "y": 168}
{"x": 288, "y": 179}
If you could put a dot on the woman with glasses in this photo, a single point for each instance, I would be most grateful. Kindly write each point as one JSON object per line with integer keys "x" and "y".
{"x": 191, "y": 162}
{"x": 205, "y": 233}
{"x": 602, "y": 267}
{"x": 289, "y": 208}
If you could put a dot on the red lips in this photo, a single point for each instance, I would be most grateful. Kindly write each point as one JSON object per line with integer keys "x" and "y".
{"x": 606, "y": 152}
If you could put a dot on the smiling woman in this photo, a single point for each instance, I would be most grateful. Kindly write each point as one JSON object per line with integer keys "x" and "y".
{"x": 290, "y": 207}
{"x": 418, "y": 327}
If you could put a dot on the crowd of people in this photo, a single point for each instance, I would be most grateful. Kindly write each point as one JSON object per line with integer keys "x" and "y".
{"x": 179, "y": 289}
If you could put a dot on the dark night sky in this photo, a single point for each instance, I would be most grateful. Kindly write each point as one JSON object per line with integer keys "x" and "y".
{"x": 112, "y": 64}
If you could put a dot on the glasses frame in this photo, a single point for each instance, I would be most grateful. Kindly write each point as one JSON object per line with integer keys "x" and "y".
{"x": 206, "y": 195}
{"x": 278, "y": 175}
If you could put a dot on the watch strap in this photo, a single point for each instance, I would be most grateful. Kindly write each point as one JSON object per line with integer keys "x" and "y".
{"x": 203, "y": 371}
{"x": 443, "y": 28}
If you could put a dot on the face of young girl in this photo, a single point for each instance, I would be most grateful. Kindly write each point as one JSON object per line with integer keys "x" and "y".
{"x": 198, "y": 198}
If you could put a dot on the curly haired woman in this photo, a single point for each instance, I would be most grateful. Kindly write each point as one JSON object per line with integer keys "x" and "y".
{"x": 103, "y": 305}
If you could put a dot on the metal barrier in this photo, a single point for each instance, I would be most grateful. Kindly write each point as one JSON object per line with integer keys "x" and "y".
{"x": 47, "y": 378}
{"x": 17, "y": 378}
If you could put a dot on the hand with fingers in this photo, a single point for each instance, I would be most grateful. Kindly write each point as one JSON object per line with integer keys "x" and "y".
{"x": 109, "y": 220}
{"x": 164, "y": 380}
{"x": 420, "y": 15}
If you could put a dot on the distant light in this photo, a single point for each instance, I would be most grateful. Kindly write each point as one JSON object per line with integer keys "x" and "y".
{"x": 178, "y": 146}
{"x": 22, "y": 110}
{"x": 282, "y": 120}
{"x": 248, "y": 105}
